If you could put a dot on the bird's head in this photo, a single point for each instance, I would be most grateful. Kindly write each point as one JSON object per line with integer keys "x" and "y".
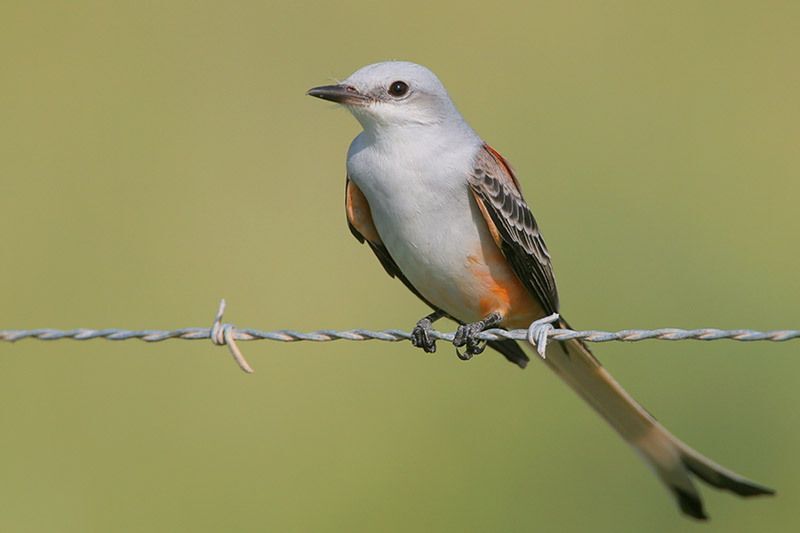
{"x": 390, "y": 94}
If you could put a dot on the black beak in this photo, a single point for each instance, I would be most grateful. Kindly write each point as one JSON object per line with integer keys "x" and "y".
{"x": 341, "y": 94}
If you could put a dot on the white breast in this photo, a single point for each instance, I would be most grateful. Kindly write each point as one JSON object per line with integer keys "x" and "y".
{"x": 421, "y": 205}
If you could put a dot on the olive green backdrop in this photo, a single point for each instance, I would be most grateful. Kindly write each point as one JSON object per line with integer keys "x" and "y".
{"x": 156, "y": 156}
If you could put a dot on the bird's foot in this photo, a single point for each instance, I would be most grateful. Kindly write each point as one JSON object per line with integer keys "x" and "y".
{"x": 467, "y": 335}
{"x": 421, "y": 335}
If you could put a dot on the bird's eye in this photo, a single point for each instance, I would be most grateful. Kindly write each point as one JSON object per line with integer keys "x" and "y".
{"x": 398, "y": 88}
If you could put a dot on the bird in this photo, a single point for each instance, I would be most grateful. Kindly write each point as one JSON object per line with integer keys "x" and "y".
{"x": 444, "y": 213}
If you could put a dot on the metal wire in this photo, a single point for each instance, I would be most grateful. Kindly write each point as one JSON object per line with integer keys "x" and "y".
{"x": 538, "y": 334}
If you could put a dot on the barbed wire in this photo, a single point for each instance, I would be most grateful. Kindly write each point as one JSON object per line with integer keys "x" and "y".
{"x": 537, "y": 334}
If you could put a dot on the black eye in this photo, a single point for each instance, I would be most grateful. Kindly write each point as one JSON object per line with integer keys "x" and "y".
{"x": 398, "y": 88}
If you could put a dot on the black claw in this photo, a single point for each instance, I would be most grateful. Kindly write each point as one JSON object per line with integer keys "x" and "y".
{"x": 421, "y": 336}
{"x": 466, "y": 336}
{"x": 464, "y": 356}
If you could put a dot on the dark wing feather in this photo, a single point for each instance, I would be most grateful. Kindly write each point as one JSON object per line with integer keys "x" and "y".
{"x": 359, "y": 220}
{"x": 512, "y": 224}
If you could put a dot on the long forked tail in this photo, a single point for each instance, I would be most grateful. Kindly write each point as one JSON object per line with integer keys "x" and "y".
{"x": 671, "y": 459}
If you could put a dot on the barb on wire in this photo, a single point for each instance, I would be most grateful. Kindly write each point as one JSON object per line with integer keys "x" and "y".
{"x": 223, "y": 334}
{"x": 537, "y": 334}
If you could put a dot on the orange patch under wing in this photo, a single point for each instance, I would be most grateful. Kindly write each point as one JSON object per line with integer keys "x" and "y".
{"x": 359, "y": 214}
{"x": 497, "y": 301}
{"x": 500, "y": 291}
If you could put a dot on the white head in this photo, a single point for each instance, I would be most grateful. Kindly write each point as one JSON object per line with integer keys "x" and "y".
{"x": 391, "y": 94}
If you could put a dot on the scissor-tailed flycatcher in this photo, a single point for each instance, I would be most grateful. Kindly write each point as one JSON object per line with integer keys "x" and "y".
{"x": 444, "y": 213}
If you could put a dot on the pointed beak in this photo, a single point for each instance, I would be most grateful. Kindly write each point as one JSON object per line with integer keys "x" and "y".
{"x": 341, "y": 94}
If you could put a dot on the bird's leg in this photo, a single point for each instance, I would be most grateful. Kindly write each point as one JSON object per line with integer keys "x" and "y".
{"x": 421, "y": 334}
{"x": 466, "y": 334}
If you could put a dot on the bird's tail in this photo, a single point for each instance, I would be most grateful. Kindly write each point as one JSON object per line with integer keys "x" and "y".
{"x": 671, "y": 459}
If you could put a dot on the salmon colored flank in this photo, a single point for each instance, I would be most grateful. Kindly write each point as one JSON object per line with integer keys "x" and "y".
{"x": 505, "y": 164}
{"x": 359, "y": 214}
{"x": 497, "y": 289}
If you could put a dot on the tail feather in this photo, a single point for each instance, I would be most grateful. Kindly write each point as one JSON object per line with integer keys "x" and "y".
{"x": 720, "y": 477}
{"x": 690, "y": 503}
{"x": 671, "y": 459}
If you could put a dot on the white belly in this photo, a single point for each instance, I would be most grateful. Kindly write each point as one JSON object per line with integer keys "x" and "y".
{"x": 433, "y": 229}
{"x": 432, "y": 237}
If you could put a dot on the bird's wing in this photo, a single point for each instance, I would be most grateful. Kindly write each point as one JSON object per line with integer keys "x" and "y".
{"x": 359, "y": 218}
{"x": 512, "y": 225}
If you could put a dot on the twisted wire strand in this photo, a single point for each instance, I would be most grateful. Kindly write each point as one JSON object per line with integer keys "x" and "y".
{"x": 538, "y": 334}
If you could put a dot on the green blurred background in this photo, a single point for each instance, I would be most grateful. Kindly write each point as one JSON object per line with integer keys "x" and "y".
{"x": 156, "y": 156}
